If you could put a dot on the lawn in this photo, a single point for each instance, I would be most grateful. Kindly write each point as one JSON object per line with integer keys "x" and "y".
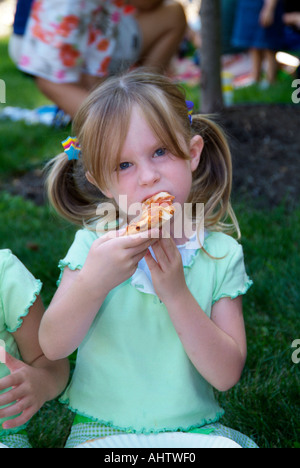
{"x": 265, "y": 403}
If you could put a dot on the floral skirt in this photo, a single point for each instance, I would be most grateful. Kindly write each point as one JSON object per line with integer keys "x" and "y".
{"x": 248, "y": 33}
{"x": 66, "y": 38}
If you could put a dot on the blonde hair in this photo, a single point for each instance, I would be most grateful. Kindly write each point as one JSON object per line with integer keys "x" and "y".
{"x": 101, "y": 126}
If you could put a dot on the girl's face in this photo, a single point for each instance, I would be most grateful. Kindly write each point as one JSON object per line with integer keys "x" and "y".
{"x": 147, "y": 167}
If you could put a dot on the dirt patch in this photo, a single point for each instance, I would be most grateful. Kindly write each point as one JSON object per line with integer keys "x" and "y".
{"x": 30, "y": 185}
{"x": 265, "y": 143}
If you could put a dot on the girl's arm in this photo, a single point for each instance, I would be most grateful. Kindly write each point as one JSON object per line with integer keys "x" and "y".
{"x": 35, "y": 379}
{"x": 217, "y": 345}
{"x": 111, "y": 261}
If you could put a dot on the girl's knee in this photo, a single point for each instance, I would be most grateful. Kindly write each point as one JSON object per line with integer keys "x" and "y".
{"x": 177, "y": 13}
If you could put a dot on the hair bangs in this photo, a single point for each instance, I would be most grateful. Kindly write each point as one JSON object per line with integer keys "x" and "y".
{"x": 103, "y": 135}
{"x": 167, "y": 127}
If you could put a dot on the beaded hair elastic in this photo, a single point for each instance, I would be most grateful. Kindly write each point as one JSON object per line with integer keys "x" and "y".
{"x": 71, "y": 148}
{"x": 190, "y": 106}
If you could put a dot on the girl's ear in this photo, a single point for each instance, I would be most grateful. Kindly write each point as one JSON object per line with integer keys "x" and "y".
{"x": 92, "y": 181}
{"x": 196, "y": 147}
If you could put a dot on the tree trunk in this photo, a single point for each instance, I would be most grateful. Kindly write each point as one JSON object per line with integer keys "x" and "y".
{"x": 211, "y": 85}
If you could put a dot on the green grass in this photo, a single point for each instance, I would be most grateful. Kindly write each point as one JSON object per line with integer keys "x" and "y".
{"x": 280, "y": 92}
{"x": 37, "y": 236}
{"x": 22, "y": 146}
{"x": 20, "y": 88}
{"x": 265, "y": 403}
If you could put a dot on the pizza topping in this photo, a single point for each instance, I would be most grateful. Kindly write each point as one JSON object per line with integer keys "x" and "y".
{"x": 156, "y": 210}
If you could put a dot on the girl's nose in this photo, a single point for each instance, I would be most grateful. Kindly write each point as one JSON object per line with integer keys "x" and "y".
{"x": 148, "y": 175}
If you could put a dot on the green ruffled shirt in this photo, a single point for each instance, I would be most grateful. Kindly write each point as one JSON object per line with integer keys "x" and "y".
{"x": 18, "y": 292}
{"x": 132, "y": 372}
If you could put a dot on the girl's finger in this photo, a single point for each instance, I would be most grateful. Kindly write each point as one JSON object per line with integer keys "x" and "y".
{"x": 152, "y": 264}
{"x": 10, "y": 381}
{"x": 12, "y": 395}
{"x": 136, "y": 250}
{"x": 169, "y": 247}
{"x": 24, "y": 417}
{"x": 107, "y": 237}
{"x": 12, "y": 410}
{"x": 160, "y": 255}
{"x": 7, "y": 398}
{"x": 137, "y": 258}
{"x": 5, "y": 382}
{"x": 145, "y": 236}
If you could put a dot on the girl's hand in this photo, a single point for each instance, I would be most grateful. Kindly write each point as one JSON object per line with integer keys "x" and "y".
{"x": 113, "y": 259}
{"x": 267, "y": 14}
{"x": 167, "y": 270}
{"x": 292, "y": 19}
{"x": 27, "y": 395}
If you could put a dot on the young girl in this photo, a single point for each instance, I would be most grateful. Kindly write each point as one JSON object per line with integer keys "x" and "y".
{"x": 157, "y": 321}
{"x": 27, "y": 378}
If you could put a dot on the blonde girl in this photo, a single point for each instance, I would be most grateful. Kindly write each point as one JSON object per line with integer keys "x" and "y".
{"x": 157, "y": 320}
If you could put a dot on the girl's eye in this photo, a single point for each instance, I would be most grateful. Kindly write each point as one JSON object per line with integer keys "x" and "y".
{"x": 160, "y": 152}
{"x": 124, "y": 165}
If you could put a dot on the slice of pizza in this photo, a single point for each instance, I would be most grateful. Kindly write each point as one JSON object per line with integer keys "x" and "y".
{"x": 156, "y": 211}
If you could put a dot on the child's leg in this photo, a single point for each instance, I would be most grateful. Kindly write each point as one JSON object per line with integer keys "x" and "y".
{"x": 67, "y": 96}
{"x": 162, "y": 31}
{"x": 272, "y": 66}
{"x": 257, "y": 60}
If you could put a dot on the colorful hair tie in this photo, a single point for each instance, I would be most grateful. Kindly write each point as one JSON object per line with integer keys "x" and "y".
{"x": 71, "y": 148}
{"x": 190, "y": 106}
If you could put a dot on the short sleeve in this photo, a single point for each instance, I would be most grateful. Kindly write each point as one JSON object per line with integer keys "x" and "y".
{"x": 231, "y": 277}
{"x": 18, "y": 290}
{"x": 78, "y": 251}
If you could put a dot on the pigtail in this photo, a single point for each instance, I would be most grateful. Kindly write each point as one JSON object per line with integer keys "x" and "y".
{"x": 212, "y": 180}
{"x": 69, "y": 192}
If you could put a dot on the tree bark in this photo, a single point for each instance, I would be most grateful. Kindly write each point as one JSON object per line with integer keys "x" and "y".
{"x": 211, "y": 83}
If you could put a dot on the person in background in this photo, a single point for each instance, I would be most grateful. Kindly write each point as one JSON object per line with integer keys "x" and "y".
{"x": 22, "y": 14}
{"x": 71, "y": 45}
{"x": 259, "y": 28}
